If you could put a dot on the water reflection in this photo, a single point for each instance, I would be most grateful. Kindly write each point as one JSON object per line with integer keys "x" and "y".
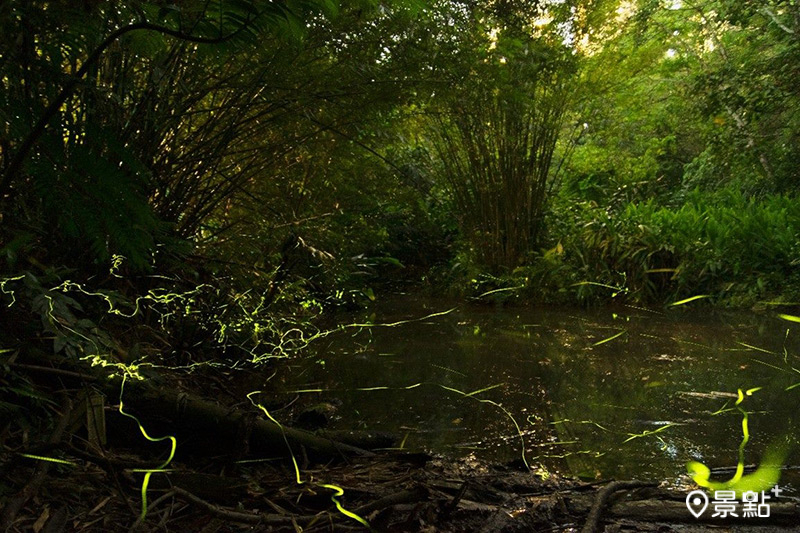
{"x": 625, "y": 394}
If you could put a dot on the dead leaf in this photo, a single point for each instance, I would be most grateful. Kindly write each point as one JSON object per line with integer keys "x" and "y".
{"x": 100, "y": 505}
{"x": 41, "y": 521}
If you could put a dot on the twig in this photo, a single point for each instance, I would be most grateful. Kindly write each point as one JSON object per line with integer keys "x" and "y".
{"x": 216, "y": 510}
{"x": 602, "y": 498}
{"x": 405, "y": 496}
{"x": 120, "y": 491}
{"x": 456, "y": 499}
{"x": 55, "y": 371}
{"x": 153, "y": 505}
{"x": 302, "y": 220}
{"x": 775, "y": 19}
{"x": 560, "y": 527}
{"x": 255, "y": 518}
{"x": 106, "y": 463}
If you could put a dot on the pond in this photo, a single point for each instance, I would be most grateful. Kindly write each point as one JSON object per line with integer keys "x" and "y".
{"x": 611, "y": 393}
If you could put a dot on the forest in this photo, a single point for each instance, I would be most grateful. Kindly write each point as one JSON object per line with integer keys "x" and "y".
{"x": 397, "y": 265}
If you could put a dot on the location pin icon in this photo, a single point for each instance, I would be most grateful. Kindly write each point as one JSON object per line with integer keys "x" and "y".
{"x": 697, "y": 502}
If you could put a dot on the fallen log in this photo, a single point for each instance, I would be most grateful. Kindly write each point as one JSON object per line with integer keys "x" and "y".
{"x": 208, "y": 426}
{"x": 662, "y": 506}
{"x": 593, "y": 521}
{"x": 671, "y": 511}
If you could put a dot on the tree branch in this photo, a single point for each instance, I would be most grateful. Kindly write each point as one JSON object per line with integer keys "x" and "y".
{"x": 774, "y": 18}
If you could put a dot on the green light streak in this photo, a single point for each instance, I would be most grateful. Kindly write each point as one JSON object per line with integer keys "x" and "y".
{"x": 148, "y": 472}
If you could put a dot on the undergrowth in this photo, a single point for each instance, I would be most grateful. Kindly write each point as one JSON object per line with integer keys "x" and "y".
{"x": 739, "y": 251}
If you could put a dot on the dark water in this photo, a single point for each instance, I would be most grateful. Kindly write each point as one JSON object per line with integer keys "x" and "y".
{"x": 671, "y": 377}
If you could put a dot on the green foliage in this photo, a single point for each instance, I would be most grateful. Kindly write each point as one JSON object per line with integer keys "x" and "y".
{"x": 164, "y": 327}
{"x": 739, "y": 249}
{"x": 294, "y": 156}
{"x": 633, "y": 127}
{"x": 137, "y": 130}
{"x": 493, "y": 133}
{"x": 95, "y": 195}
{"x": 732, "y": 60}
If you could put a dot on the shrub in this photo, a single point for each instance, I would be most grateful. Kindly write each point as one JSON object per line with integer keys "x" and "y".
{"x": 737, "y": 248}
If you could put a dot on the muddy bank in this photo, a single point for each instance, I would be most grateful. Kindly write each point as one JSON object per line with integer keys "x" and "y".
{"x": 236, "y": 470}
